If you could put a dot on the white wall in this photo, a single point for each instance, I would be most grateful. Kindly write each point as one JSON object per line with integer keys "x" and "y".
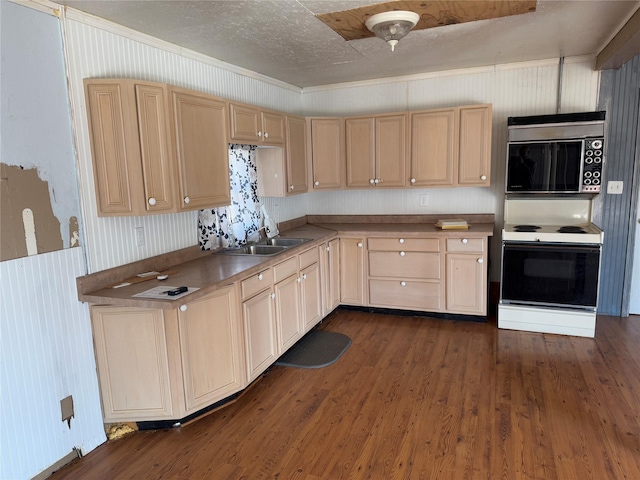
{"x": 45, "y": 333}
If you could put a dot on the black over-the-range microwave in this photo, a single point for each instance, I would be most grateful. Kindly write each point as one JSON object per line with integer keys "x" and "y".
{"x": 562, "y": 153}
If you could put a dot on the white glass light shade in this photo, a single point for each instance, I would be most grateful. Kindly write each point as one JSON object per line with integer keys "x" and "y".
{"x": 392, "y": 26}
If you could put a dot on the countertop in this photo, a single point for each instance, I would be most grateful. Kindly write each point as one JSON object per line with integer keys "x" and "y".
{"x": 208, "y": 271}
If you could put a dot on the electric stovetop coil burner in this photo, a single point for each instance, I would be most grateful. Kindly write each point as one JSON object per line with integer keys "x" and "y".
{"x": 526, "y": 228}
{"x": 571, "y": 229}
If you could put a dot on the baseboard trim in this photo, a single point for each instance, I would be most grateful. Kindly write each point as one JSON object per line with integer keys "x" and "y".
{"x": 68, "y": 458}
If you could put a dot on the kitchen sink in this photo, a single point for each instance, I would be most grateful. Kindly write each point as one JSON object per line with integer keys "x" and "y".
{"x": 266, "y": 247}
{"x": 283, "y": 242}
{"x": 264, "y": 250}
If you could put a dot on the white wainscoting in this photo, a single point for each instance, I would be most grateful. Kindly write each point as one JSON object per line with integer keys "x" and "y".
{"x": 47, "y": 354}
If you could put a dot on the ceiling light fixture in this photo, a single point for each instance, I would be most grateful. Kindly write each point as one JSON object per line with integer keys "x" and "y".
{"x": 392, "y": 26}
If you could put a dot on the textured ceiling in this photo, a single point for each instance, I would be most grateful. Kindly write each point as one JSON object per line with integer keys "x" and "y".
{"x": 284, "y": 40}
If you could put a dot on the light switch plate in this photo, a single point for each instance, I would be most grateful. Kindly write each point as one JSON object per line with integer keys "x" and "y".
{"x": 614, "y": 188}
{"x": 66, "y": 407}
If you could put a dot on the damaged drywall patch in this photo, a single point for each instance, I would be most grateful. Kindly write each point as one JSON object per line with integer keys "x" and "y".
{"x": 74, "y": 232}
{"x": 25, "y": 200}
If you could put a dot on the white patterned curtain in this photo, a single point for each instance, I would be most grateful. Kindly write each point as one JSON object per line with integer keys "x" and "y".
{"x": 232, "y": 225}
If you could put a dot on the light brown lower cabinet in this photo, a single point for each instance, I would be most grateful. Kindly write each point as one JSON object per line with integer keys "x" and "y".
{"x": 330, "y": 275}
{"x": 352, "y": 271}
{"x": 166, "y": 364}
{"x": 310, "y": 288}
{"x": 466, "y": 273}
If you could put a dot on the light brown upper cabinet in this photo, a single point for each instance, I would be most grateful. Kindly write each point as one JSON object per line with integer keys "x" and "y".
{"x": 133, "y": 164}
{"x": 376, "y": 151}
{"x": 200, "y": 132}
{"x": 451, "y": 147}
{"x": 255, "y": 126}
{"x": 156, "y": 148}
{"x": 326, "y": 152}
{"x": 283, "y": 171}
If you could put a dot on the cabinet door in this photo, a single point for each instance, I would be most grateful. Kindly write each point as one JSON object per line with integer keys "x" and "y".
{"x": 433, "y": 147}
{"x": 311, "y": 295}
{"x": 466, "y": 283}
{"x": 327, "y": 153}
{"x": 245, "y": 124}
{"x": 158, "y": 165}
{"x": 131, "y": 355}
{"x": 114, "y": 147}
{"x": 352, "y": 271}
{"x": 391, "y": 151}
{"x": 212, "y": 349}
{"x": 475, "y": 146}
{"x": 201, "y": 149}
{"x": 330, "y": 275}
{"x": 273, "y": 128}
{"x": 288, "y": 312}
{"x": 361, "y": 151}
{"x": 296, "y": 152}
{"x": 261, "y": 339}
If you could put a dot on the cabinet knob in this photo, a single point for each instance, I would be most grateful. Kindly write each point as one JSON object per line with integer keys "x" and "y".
{"x": 403, "y": 284}
{"x": 359, "y": 244}
{"x": 260, "y": 277}
{"x": 402, "y": 254}
{"x": 291, "y": 187}
{"x": 266, "y": 134}
{"x": 316, "y": 183}
{"x": 183, "y": 308}
{"x": 259, "y": 134}
{"x": 464, "y": 240}
{"x": 372, "y": 181}
{"x": 483, "y": 177}
{"x": 304, "y": 276}
{"x": 152, "y": 201}
{"x": 328, "y": 249}
{"x": 401, "y": 240}
{"x": 480, "y": 260}
{"x": 377, "y": 181}
{"x": 186, "y": 200}
{"x": 273, "y": 296}
{"x": 298, "y": 279}
{"x": 413, "y": 180}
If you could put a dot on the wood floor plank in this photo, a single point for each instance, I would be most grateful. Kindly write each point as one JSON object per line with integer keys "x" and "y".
{"x": 414, "y": 398}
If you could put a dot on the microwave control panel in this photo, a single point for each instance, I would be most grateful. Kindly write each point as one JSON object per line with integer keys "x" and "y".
{"x": 592, "y": 165}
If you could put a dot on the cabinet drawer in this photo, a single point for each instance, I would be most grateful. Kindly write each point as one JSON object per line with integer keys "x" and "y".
{"x": 309, "y": 258}
{"x": 404, "y": 244}
{"x": 405, "y": 294}
{"x": 465, "y": 244}
{"x": 404, "y": 265}
{"x": 256, "y": 283}
{"x": 285, "y": 269}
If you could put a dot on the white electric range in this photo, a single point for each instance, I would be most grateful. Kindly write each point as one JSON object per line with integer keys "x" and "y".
{"x": 550, "y": 266}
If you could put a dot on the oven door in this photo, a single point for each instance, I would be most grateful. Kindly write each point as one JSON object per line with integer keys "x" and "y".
{"x": 560, "y": 275}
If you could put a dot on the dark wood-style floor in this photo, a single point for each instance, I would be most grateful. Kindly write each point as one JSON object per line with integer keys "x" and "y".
{"x": 415, "y": 398}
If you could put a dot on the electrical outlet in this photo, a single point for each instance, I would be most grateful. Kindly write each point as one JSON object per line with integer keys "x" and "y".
{"x": 423, "y": 200}
{"x": 614, "y": 188}
{"x": 139, "y": 236}
{"x": 66, "y": 407}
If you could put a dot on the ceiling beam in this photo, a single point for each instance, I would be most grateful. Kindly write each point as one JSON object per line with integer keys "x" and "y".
{"x": 623, "y": 47}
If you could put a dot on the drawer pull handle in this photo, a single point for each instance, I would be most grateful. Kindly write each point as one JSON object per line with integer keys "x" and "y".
{"x": 403, "y": 284}
{"x": 183, "y": 308}
{"x": 480, "y": 260}
{"x": 402, "y": 254}
{"x": 401, "y": 240}
{"x": 464, "y": 240}
{"x": 260, "y": 277}
{"x": 359, "y": 244}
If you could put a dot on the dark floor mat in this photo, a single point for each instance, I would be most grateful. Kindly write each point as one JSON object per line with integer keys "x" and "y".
{"x": 316, "y": 349}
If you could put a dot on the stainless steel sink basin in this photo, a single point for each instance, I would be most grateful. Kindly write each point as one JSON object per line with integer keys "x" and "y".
{"x": 284, "y": 242}
{"x": 254, "y": 250}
